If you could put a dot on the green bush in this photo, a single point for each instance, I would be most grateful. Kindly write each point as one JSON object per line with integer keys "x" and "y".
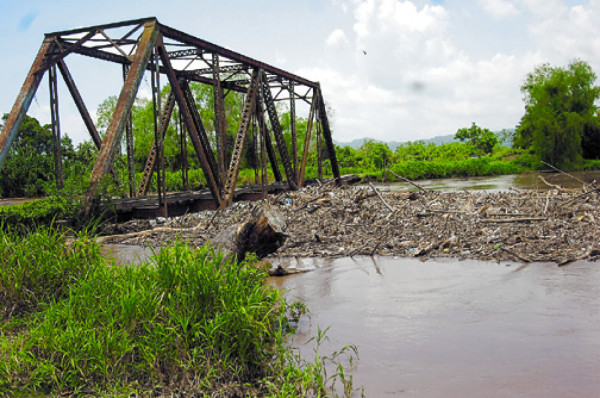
{"x": 40, "y": 267}
{"x": 189, "y": 321}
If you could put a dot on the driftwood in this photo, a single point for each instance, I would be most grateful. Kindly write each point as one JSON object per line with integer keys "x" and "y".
{"x": 512, "y": 253}
{"x": 347, "y": 221}
{"x": 262, "y": 233}
{"x": 567, "y": 174}
{"x": 407, "y": 180}
{"x": 390, "y": 208}
{"x": 511, "y": 220}
{"x": 590, "y": 253}
{"x": 558, "y": 187}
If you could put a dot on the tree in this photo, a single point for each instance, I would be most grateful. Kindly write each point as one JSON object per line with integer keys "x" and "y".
{"x": 560, "y": 114}
{"x": 483, "y": 140}
{"x": 375, "y": 154}
{"x": 29, "y": 166}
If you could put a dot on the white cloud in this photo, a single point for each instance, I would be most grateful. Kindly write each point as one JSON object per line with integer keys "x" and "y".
{"x": 414, "y": 81}
{"x": 564, "y": 33}
{"x": 337, "y": 38}
{"x": 499, "y": 8}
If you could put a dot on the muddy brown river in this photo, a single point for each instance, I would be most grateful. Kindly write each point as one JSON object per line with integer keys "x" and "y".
{"x": 456, "y": 328}
{"x": 450, "y": 328}
{"x": 498, "y": 183}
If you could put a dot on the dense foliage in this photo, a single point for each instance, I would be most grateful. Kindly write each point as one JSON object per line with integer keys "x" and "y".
{"x": 482, "y": 139}
{"x": 561, "y": 124}
{"x": 189, "y": 321}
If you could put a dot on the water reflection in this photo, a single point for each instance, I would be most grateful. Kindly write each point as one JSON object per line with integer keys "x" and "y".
{"x": 457, "y": 328}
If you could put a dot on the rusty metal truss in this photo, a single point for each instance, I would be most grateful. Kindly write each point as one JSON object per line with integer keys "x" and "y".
{"x": 145, "y": 46}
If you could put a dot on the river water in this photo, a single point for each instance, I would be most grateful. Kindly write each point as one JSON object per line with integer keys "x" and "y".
{"x": 498, "y": 183}
{"x": 450, "y": 328}
{"x": 456, "y": 328}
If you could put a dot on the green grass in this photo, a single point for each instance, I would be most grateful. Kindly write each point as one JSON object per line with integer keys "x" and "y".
{"x": 188, "y": 321}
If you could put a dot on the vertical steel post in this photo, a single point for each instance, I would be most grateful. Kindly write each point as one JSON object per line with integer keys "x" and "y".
{"x": 309, "y": 127}
{"x": 129, "y": 145}
{"x": 184, "y": 154}
{"x": 122, "y": 109}
{"x": 160, "y": 125}
{"x": 21, "y": 105}
{"x": 220, "y": 121}
{"x": 255, "y": 146}
{"x": 55, "y": 118}
{"x": 293, "y": 130}
{"x": 263, "y": 160}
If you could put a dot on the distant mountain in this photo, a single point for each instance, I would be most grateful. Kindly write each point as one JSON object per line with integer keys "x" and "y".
{"x": 442, "y": 139}
{"x": 439, "y": 140}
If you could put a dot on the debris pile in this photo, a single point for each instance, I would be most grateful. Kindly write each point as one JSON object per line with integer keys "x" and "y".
{"x": 525, "y": 226}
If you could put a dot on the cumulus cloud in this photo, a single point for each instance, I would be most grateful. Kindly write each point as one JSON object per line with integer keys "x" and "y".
{"x": 337, "y": 38}
{"x": 415, "y": 81}
{"x": 563, "y": 33}
{"x": 499, "y": 8}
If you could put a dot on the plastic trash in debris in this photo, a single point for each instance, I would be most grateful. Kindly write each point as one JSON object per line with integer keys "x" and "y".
{"x": 288, "y": 202}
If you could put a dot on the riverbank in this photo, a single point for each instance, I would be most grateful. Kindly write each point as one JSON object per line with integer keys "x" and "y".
{"x": 556, "y": 225}
{"x": 186, "y": 323}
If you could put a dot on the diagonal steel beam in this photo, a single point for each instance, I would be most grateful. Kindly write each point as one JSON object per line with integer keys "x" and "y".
{"x": 51, "y": 61}
{"x": 238, "y": 146}
{"x": 191, "y": 103}
{"x": 268, "y": 144}
{"x": 189, "y": 123}
{"x": 328, "y": 139}
{"x": 85, "y": 115}
{"x": 122, "y": 110}
{"x": 21, "y": 105}
{"x": 276, "y": 126}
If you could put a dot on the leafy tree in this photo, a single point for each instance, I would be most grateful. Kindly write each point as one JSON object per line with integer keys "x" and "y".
{"x": 483, "y": 140}
{"x": 29, "y": 166}
{"x": 375, "y": 154}
{"x": 560, "y": 114}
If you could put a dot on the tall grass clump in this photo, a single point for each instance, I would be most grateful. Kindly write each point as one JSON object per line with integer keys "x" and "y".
{"x": 190, "y": 321}
{"x": 39, "y": 268}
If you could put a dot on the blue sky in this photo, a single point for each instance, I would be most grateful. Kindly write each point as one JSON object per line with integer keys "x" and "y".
{"x": 431, "y": 66}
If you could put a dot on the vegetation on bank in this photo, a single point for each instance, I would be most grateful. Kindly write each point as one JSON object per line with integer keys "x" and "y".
{"x": 188, "y": 321}
{"x": 560, "y": 126}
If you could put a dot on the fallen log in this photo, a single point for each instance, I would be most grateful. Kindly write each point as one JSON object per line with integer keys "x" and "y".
{"x": 262, "y": 234}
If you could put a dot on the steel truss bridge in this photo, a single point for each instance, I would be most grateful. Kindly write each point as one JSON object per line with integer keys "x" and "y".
{"x": 145, "y": 46}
